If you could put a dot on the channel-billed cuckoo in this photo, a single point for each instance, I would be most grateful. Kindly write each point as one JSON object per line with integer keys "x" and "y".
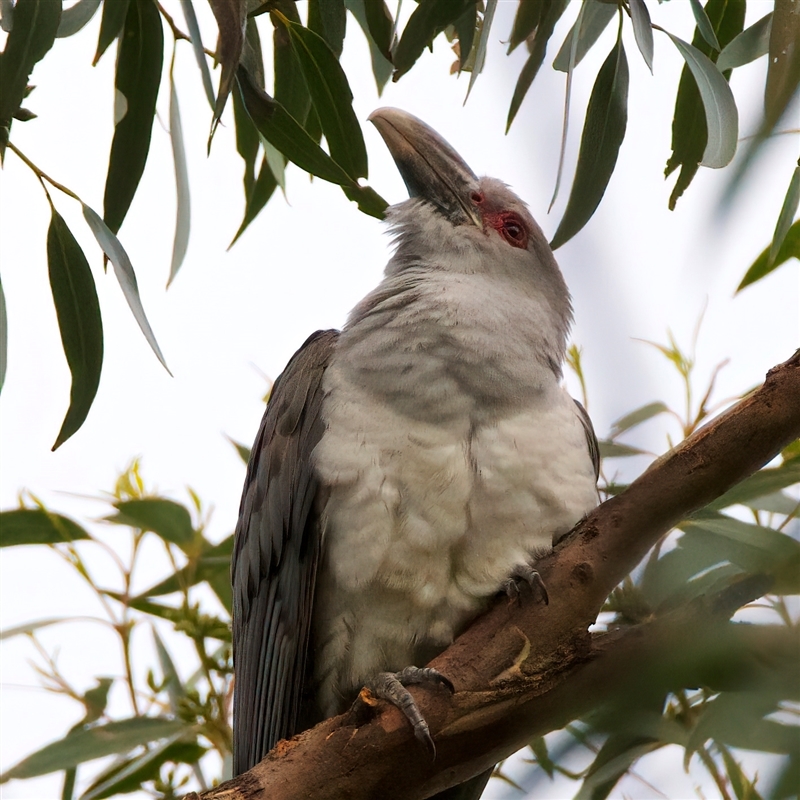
{"x": 410, "y": 466}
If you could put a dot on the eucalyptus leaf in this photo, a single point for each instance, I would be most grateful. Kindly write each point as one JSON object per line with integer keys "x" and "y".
{"x": 166, "y": 518}
{"x": 790, "y": 248}
{"x": 380, "y": 26}
{"x": 79, "y": 322}
{"x": 603, "y": 132}
{"x": 172, "y": 680}
{"x": 722, "y": 116}
{"x": 643, "y": 31}
{"x": 183, "y": 212}
{"x": 704, "y": 25}
{"x": 37, "y": 526}
{"x": 111, "y": 22}
{"x": 123, "y": 269}
{"x": 465, "y": 27}
{"x": 637, "y": 417}
{"x": 138, "y": 75}
{"x": 750, "y": 44}
{"x": 3, "y": 337}
{"x": 328, "y": 19}
{"x": 783, "y": 64}
{"x": 241, "y": 449}
{"x": 610, "y": 449}
{"x": 291, "y": 88}
{"x": 428, "y": 19}
{"x": 197, "y": 46}
{"x": 526, "y": 20}
{"x": 262, "y": 189}
{"x": 788, "y": 210}
{"x": 382, "y": 68}
{"x": 33, "y": 33}
{"x": 231, "y": 17}
{"x": 483, "y": 41}
{"x": 87, "y": 744}
{"x": 30, "y": 627}
{"x": 76, "y": 17}
{"x": 595, "y": 19}
{"x": 763, "y": 482}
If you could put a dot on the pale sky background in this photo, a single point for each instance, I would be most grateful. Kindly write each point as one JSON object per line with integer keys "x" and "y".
{"x": 635, "y": 271}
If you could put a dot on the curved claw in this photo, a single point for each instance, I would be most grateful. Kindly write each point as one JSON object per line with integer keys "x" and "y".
{"x": 531, "y": 576}
{"x": 391, "y": 686}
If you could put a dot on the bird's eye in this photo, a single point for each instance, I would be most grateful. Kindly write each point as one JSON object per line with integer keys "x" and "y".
{"x": 514, "y": 231}
{"x": 476, "y": 198}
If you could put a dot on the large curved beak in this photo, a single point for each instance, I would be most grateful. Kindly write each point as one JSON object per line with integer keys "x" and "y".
{"x": 430, "y": 167}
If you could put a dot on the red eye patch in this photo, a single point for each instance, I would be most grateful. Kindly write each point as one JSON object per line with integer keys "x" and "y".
{"x": 510, "y": 226}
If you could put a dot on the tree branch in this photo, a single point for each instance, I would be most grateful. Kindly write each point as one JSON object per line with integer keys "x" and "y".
{"x": 523, "y": 670}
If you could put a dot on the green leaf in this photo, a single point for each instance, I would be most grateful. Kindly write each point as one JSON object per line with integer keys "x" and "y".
{"x": 279, "y": 128}
{"x": 637, "y": 417}
{"x": 750, "y": 44}
{"x": 763, "y": 482}
{"x": 380, "y": 26}
{"x": 596, "y": 16}
{"x": 79, "y": 322}
{"x": 183, "y": 211}
{"x": 722, "y": 116}
{"x": 33, "y": 34}
{"x": 30, "y": 627}
{"x": 242, "y": 450}
{"x": 332, "y": 98}
{"x": 788, "y": 210}
{"x": 86, "y": 744}
{"x": 704, "y": 26}
{"x": 610, "y": 449}
{"x": 166, "y": 518}
{"x": 483, "y": 41}
{"x": 172, "y": 680}
{"x": 231, "y": 16}
{"x": 76, "y": 17}
{"x": 783, "y": 65}
{"x": 111, "y": 23}
{"x": 95, "y": 700}
{"x": 291, "y": 90}
{"x": 465, "y": 27}
{"x": 138, "y": 75}
{"x": 197, "y": 47}
{"x": 603, "y": 132}
{"x": 617, "y": 755}
{"x": 128, "y": 774}
{"x": 3, "y": 337}
{"x": 429, "y": 18}
{"x": 525, "y": 22}
{"x": 262, "y": 189}
{"x": 550, "y": 15}
{"x": 761, "y": 266}
{"x": 381, "y": 68}
{"x": 328, "y": 19}
{"x": 643, "y": 32}
{"x": 123, "y": 269}
{"x": 689, "y": 128}
{"x": 37, "y": 526}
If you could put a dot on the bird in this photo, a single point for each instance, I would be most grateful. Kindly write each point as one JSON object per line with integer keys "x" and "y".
{"x": 411, "y": 466}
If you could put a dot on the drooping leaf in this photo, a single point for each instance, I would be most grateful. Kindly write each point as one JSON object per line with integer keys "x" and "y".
{"x": 79, "y": 322}
{"x": 380, "y": 26}
{"x": 6, "y": 15}
{"x": 197, "y": 47}
{"x": 172, "y": 680}
{"x": 332, "y": 98}
{"x": 111, "y": 23}
{"x": 3, "y": 337}
{"x": 761, "y": 266}
{"x": 35, "y": 26}
{"x": 550, "y": 15}
{"x": 722, "y": 116}
{"x": 617, "y": 755}
{"x": 262, "y": 189}
{"x": 429, "y": 18}
{"x": 525, "y": 21}
{"x": 483, "y": 41}
{"x": 465, "y": 27}
{"x": 183, "y": 212}
{"x": 168, "y": 519}
{"x": 138, "y": 75}
{"x": 86, "y": 744}
{"x": 381, "y": 67}
{"x": 637, "y": 417}
{"x": 642, "y": 30}
{"x": 127, "y": 775}
{"x": 704, "y": 26}
{"x": 241, "y": 449}
{"x": 596, "y": 16}
{"x": 763, "y": 482}
{"x": 231, "y": 16}
{"x": 123, "y": 269}
{"x": 291, "y": 90}
{"x": 750, "y": 44}
{"x": 783, "y": 70}
{"x": 603, "y": 132}
{"x": 788, "y": 210}
{"x": 690, "y": 140}
{"x": 327, "y": 18}
{"x": 609, "y": 449}
{"x": 30, "y": 627}
{"x": 37, "y": 526}
{"x": 76, "y": 17}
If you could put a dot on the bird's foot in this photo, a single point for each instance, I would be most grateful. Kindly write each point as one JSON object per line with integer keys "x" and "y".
{"x": 391, "y": 686}
{"x": 525, "y": 573}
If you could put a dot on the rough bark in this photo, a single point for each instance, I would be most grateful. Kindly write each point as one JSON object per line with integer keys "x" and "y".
{"x": 523, "y": 670}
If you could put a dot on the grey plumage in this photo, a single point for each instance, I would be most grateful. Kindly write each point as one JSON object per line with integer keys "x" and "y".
{"x": 405, "y": 467}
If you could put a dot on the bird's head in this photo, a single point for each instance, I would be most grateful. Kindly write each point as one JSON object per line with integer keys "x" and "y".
{"x": 460, "y": 223}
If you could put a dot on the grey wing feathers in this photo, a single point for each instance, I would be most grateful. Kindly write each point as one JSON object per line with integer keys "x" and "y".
{"x": 591, "y": 438}
{"x": 275, "y": 557}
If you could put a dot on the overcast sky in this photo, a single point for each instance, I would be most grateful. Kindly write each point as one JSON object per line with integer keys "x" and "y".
{"x": 230, "y": 318}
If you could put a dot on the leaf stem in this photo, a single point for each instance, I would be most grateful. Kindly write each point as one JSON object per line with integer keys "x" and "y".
{"x": 41, "y": 174}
